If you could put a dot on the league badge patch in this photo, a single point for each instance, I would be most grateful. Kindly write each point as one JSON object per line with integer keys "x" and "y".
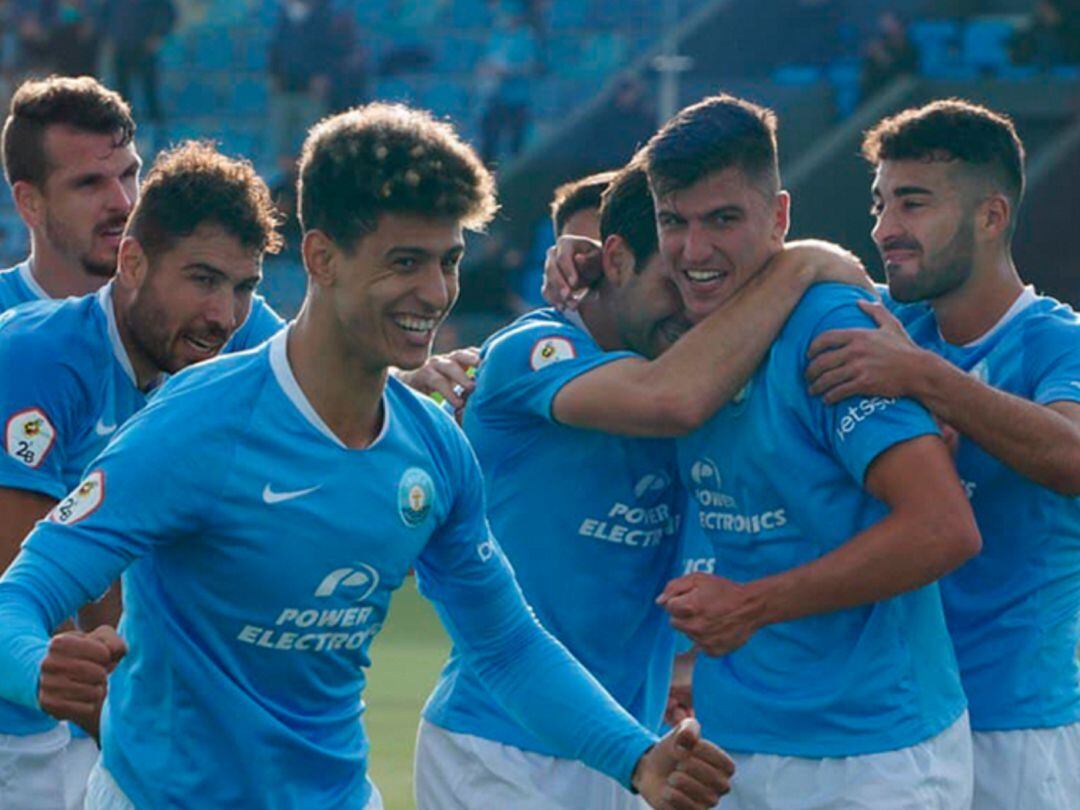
{"x": 29, "y": 437}
{"x": 551, "y": 350}
{"x": 82, "y": 501}
{"x": 416, "y": 494}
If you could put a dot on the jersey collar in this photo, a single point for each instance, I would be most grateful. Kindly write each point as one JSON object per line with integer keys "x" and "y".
{"x": 26, "y": 273}
{"x": 1026, "y": 298}
{"x": 105, "y": 301}
{"x": 279, "y": 362}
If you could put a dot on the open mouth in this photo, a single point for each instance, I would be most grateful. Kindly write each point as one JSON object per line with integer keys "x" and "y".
{"x": 207, "y": 347}
{"x": 419, "y": 330}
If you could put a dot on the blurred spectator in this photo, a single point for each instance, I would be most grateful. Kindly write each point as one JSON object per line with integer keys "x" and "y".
{"x": 1050, "y": 36}
{"x": 349, "y": 77}
{"x": 76, "y": 37}
{"x": 887, "y": 55}
{"x": 32, "y": 45}
{"x": 136, "y": 29}
{"x": 303, "y": 52}
{"x": 504, "y": 85}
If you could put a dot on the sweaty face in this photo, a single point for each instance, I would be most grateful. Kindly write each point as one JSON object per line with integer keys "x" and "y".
{"x": 396, "y": 286}
{"x": 649, "y": 314}
{"x": 88, "y": 194}
{"x": 716, "y": 234}
{"x": 193, "y": 297}
{"x": 924, "y": 227}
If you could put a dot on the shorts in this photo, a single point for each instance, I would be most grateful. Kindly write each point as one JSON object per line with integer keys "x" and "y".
{"x": 1036, "y": 768}
{"x": 46, "y": 771}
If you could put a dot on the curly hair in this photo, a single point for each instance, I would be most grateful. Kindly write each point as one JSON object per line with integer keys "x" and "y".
{"x": 193, "y": 184}
{"x": 82, "y": 103}
{"x": 389, "y": 158}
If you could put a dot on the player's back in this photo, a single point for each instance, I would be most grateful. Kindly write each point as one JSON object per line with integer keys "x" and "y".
{"x": 588, "y": 520}
{"x": 776, "y": 482}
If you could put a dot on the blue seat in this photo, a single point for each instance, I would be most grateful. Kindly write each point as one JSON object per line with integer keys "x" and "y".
{"x": 986, "y": 43}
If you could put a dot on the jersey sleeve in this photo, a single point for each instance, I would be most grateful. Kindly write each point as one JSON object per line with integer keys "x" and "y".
{"x": 1052, "y": 348}
{"x": 40, "y": 401}
{"x": 467, "y": 576}
{"x": 262, "y": 323}
{"x": 523, "y": 371}
{"x": 858, "y": 429}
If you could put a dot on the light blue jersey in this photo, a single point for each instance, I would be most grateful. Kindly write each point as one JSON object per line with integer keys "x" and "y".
{"x": 18, "y": 286}
{"x": 776, "y": 482}
{"x": 66, "y": 384}
{"x": 1014, "y": 611}
{"x": 260, "y": 556}
{"x": 589, "y": 522}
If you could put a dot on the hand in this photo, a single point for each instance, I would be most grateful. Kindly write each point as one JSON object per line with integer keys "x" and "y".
{"x": 680, "y": 702}
{"x": 75, "y": 673}
{"x": 718, "y": 614}
{"x": 683, "y": 771}
{"x": 446, "y": 375}
{"x": 880, "y": 362}
{"x": 572, "y": 265}
{"x": 824, "y": 261}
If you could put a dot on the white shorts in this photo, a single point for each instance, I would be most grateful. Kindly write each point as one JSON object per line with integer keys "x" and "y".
{"x": 463, "y": 772}
{"x": 1036, "y": 769}
{"x": 936, "y": 774}
{"x": 45, "y": 771}
{"x": 104, "y": 794}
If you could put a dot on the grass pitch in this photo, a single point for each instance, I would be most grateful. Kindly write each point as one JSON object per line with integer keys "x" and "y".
{"x": 406, "y": 658}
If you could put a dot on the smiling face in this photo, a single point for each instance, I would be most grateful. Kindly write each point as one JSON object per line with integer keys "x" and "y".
{"x": 396, "y": 285}
{"x": 716, "y": 234}
{"x": 924, "y": 227}
{"x": 190, "y": 299}
{"x": 87, "y": 196}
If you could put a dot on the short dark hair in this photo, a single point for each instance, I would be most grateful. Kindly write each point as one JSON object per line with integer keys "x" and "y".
{"x": 389, "y": 158}
{"x": 194, "y": 184}
{"x": 714, "y": 134}
{"x": 82, "y": 103}
{"x": 582, "y": 194}
{"x": 627, "y": 211}
{"x": 953, "y": 129}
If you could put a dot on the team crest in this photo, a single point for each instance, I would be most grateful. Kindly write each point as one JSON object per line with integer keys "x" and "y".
{"x": 551, "y": 350}
{"x": 416, "y": 494}
{"x": 83, "y": 501}
{"x": 29, "y": 437}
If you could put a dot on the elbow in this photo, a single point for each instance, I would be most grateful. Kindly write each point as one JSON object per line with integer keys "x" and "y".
{"x": 678, "y": 415}
{"x": 957, "y": 536}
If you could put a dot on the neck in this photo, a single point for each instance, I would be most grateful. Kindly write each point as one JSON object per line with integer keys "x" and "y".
{"x": 344, "y": 390}
{"x": 59, "y": 275}
{"x": 146, "y": 370}
{"x": 970, "y": 311}
{"x": 599, "y": 318}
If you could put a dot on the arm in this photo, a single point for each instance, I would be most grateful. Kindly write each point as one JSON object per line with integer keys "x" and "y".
{"x": 21, "y": 509}
{"x": 929, "y": 531}
{"x": 1039, "y": 441}
{"x": 676, "y": 393}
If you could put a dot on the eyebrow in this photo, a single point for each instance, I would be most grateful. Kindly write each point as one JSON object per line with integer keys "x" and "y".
{"x": 423, "y": 253}
{"x": 907, "y": 191}
{"x": 214, "y": 271}
{"x": 93, "y": 177}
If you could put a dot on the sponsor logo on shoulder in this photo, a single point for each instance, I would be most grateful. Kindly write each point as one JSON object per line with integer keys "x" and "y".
{"x": 862, "y": 410}
{"x": 81, "y": 502}
{"x": 29, "y": 436}
{"x": 416, "y": 495}
{"x": 271, "y": 497}
{"x": 550, "y": 350}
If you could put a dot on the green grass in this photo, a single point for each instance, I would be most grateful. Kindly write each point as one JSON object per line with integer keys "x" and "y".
{"x": 406, "y": 657}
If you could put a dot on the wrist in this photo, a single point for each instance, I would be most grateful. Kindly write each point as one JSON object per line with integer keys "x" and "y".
{"x": 639, "y": 767}
{"x": 923, "y": 380}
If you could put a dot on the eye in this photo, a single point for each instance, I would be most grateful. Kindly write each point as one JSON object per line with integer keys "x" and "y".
{"x": 910, "y": 205}
{"x": 247, "y": 287}
{"x": 405, "y": 263}
{"x": 876, "y": 209}
{"x": 667, "y": 220}
{"x": 205, "y": 280}
{"x": 451, "y": 265}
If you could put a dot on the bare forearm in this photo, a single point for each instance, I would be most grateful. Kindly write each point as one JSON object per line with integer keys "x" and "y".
{"x": 895, "y": 555}
{"x": 1032, "y": 439}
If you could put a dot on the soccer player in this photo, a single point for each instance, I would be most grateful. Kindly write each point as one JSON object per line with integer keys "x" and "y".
{"x": 72, "y": 371}
{"x": 1001, "y": 364}
{"x": 69, "y": 157}
{"x": 590, "y": 520}
{"x": 825, "y": 664}
{"x": 265, "y": 505}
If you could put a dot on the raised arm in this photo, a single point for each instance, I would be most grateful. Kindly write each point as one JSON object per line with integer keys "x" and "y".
{"x": 677, "y": 392}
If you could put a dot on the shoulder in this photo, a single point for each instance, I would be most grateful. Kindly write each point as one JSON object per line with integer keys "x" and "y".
{"x": 540, "y": 338}
{"x": 1051, "y": 320}
{"x": 826, "y": 306}
{"x": 261, "y": 323}
{"x": 59, "y": 338}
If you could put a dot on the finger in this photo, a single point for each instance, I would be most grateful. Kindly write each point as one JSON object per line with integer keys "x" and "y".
{"x": 75, "y": 670}
{"x": 108, "y": 636}
{"x": 713, "y": 756}
{"x": 833, "y": 339}
{"x": 831, "y": 379}
{"x": 467, "y": 356}
{"x": 69, "y": 709}
{"x": 844, "y": 391}
{"x": 672, "y": 798}
{"x": 680, "y": 608}
{"x": 448, "y": 390}
{"x": 702, "y": 793}
{"x": 716, "y": 777}
{"x": 75, "y": 645}
{"x": 882, "y": 317}
{"x": 676, "y": 587}
{"x": 687, "y": 735}
{"x": 826, "y": 361}
{"x": 59, "y": 690}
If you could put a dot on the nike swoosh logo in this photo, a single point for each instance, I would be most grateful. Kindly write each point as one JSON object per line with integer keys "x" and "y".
{"x": 101, "y": 429}
{"x": 272, "y": 497}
